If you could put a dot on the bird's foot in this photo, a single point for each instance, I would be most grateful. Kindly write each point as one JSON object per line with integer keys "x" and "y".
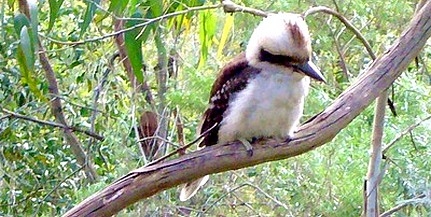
{"x": 288, "y": 139}
{"x": 247, "y": 146}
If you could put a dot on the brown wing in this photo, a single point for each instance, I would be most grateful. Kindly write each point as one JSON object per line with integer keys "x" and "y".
{"x": 232, "y": 79}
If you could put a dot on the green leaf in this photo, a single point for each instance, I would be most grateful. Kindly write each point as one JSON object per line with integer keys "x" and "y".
{"x": 26, "y": 47}
{"x": 26, "y": 59}
{"x": 54, "y": 7}
{"x": 19, "y": 21}
{"x": 117, "y": 6}
{"x": 34, "y": 23}
{"x": 88, "y": 16}
{"x": 207, "y": 29}
{"x": 134, "y": 4}
{"x": 156, "y": 8}
{"x": 133, "y": 47}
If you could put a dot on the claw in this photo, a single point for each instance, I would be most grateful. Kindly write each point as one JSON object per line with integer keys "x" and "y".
{"x": 288, "y": 139}
{"x": 247, "y": 146}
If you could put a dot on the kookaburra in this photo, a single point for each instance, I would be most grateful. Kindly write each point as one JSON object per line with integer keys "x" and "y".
{"x": 261, "y": 92}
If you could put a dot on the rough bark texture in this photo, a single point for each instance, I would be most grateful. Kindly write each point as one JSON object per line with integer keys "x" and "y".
{"x": 147, "y": 181}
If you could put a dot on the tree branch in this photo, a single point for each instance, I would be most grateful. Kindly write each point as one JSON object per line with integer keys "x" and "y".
{"x": 402, "y": 134}
{"x": 147, "y": 181}
{"x": 228, "y": 7}
{"x": 355, "y": 31}
{"x": 52, "y": 124}
{"x": 371, "y": 200}
{"x": 346, "y": 22}
{"x": 422, "y": 198}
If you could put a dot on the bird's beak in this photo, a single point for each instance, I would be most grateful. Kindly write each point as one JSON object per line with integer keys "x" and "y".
{"x": 311, "y": 70}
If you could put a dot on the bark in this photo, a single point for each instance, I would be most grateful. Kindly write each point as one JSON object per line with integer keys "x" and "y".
{"x": 371, "y": 199}
{"x": 147, "y": 181}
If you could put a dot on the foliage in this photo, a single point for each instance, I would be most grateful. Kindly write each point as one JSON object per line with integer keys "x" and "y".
{"x": 40, "y": 175}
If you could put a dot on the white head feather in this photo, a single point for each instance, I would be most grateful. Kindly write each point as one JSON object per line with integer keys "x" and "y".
{"x": 280, "y": 34}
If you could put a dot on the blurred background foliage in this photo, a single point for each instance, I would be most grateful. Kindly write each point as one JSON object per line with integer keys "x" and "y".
{"x": 178, "y": 58}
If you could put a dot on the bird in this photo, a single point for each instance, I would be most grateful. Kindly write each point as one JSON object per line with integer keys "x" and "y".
{"x": 260, "y": 93}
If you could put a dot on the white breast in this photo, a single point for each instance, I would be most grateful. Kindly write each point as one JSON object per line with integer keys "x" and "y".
{"x": 270, "y": 106}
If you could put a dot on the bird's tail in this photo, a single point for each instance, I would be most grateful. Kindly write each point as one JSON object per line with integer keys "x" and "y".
{"x": 191, "y": 188}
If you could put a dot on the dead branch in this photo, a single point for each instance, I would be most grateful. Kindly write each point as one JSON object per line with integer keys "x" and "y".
{"x": 147, "y": 181}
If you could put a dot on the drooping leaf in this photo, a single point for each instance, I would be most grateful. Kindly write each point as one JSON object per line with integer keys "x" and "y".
{"x": 26, "y": 47}
{"x": 117, "y": 6}
{"x": 133, "y": 45}
{"x": 89, "y": 15}
{"x": 134, "y": 5}
{"x": 156, "y": 7}
{"x": 34, "y": 21}
{"x": 54, "y": 7}
{"x": 26, "y": 59}
{"x": 11, "y": 3}
{"x": 225, "y": 33}
{"x": 20, "y": 20}
{"x": 207, "y": 29}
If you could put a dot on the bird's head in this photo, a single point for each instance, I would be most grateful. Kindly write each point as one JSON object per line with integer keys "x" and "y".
{"x": 283, "y": 39}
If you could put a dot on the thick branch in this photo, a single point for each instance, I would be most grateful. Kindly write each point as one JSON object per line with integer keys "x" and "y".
{"x": 147, "y": 181}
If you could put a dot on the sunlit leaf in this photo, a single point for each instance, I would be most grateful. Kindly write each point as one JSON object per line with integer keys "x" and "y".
{"x": 207, "y": 29}
{"x": 89, "y": 14}
{"x": 156, "y": 7}
{"x": 228, "y": 24}
{"x": 32, "y": 4}
{"x": 54, "y": 7}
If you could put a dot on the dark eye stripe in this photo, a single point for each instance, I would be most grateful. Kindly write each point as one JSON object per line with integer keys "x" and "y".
{"x": 287, "y": 61}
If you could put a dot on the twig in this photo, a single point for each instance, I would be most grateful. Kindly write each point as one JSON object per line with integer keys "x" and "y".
{"x": 150, "y": 21}
{"x": 230, "y": 7}
{"x": 157, "y": 138}
{"x": 356, "y": 32}
{"x": 180, "y": 134}
{"x": 56, "y": 187}
{"x": 405, "y": 132}
{"x": 343, "y": 64}
{"x": 181, "y": 148}
{"x": 246, "y": 204}
{"x": 52, "y": 124}
{"x": 418, "y": 199}
{"x": 5, "y": 117}
{"x": 345, "y": 22}
{"x": 78, "y": 105}
{"x": 250, "y": 185}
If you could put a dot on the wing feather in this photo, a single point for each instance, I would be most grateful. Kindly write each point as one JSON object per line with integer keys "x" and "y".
{"x": 233, "y": 78}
